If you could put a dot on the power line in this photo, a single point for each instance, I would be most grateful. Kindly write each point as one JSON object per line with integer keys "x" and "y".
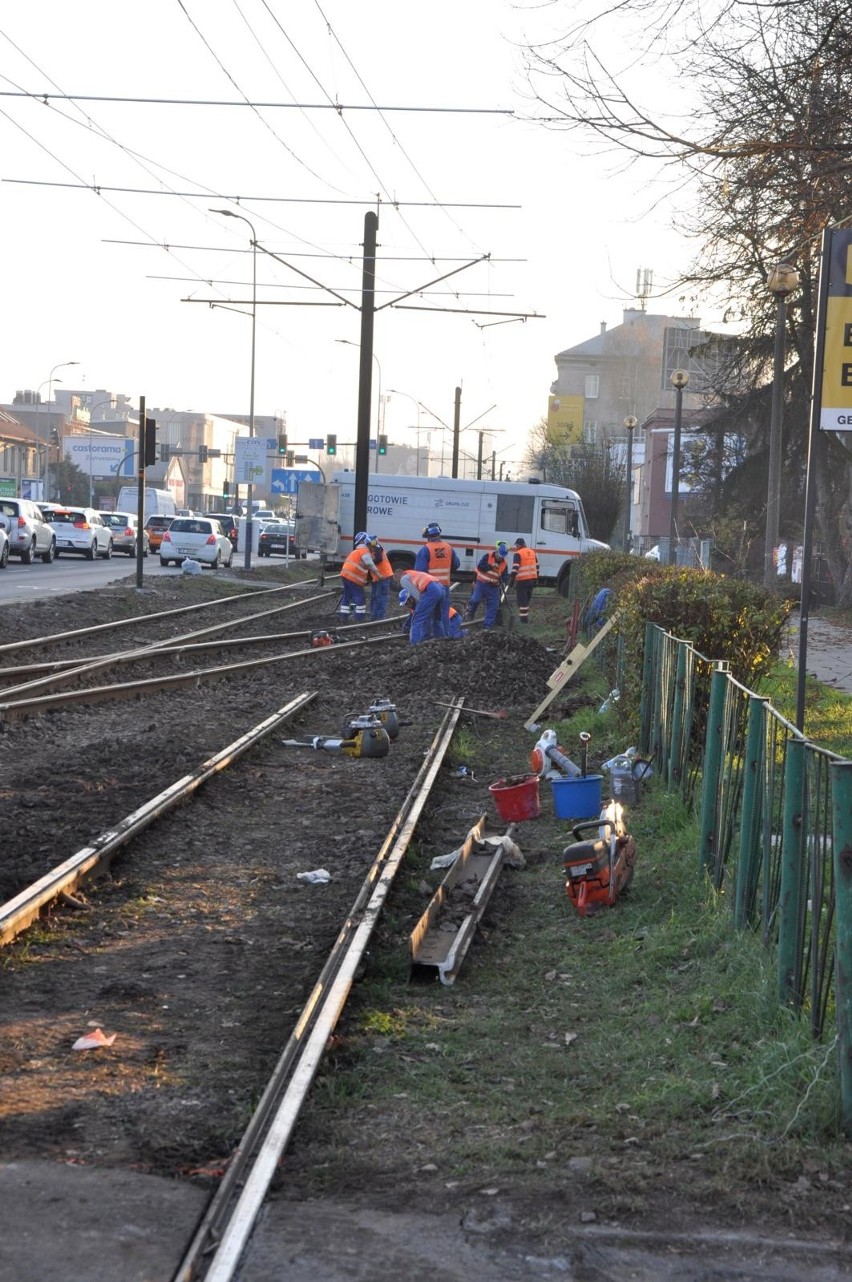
{"x": 98, "y": 188}
{"x": 338, "y": 107}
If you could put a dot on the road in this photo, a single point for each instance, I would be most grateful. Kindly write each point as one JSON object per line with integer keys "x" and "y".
{"x": 71, "y": 574}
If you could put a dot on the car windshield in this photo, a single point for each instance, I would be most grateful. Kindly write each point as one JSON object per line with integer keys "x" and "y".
{"x": 115, "y": 520}
{"x": 184, "y": 525}
{"x": 159, "y": 522}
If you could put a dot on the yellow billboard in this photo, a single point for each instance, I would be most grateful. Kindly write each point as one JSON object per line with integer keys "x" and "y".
{"x": 565, "y": 419}
{"x": 836, "y": 401}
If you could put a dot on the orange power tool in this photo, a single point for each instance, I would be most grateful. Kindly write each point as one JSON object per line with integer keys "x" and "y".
{"x": 599, "y": 868}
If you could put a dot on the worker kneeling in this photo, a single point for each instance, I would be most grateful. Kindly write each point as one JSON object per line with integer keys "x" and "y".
{"x": 431, "y": 617}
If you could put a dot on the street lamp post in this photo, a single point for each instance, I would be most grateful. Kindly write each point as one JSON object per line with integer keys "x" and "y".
{"x": 394, "y": 391}
{"x": 782, "y": 281}
{"x": 50, "y": 383}
{"x": 229, "y": 213}
{"x": 629, "y": 427}
{"x": 679, "y": 380}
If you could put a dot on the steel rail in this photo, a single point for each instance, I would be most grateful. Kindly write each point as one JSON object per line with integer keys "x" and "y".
{"x": 136, "y": 619}
{"x": 17, "y": 710}
{"x": 18, "y": 913}
{"x": 139, "y": 653}
{"x": 223, "y": 1232}
{"x": 176, "y": 647}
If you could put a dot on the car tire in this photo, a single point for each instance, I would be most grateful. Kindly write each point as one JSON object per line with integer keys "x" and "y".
{"x": 50, "y": 554}
{"x": 4, "y": 556}
{"x": 107, "y": 556}
{"x": 164, "y": 561}
{"x": 28, "y": 554}
{"x": 90, "y": 551}
{"x": 216, "y": 562}
{"x": 131, "y": 551}
{"x": 230, "y": 560}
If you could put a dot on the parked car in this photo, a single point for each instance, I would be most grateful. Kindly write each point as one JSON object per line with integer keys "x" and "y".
{"x": 29, "y": 534}
{"x": 124, "y": 527}
{"x": 80, "y": 529}
{"x": 228, "y": 522}
{"x": 155, "y": 528}
{"x": 199, "y": 537}
{"x": 4, "y": 548}
{"x": 278, "y": 537}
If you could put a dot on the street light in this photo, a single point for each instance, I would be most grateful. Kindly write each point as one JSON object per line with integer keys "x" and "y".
{"x": 111, "y": 402}
{"x": 679, "y": 380}
{"x": 782, "y": 281}
{"x": 229, "y": 213}
{"x": 629, "y": 427}
{"x": 50, "y": 382}
{"x": 395, "y": 391}
{"x": 349, "y": 343}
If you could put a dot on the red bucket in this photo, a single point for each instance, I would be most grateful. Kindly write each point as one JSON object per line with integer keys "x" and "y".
{"x": 516, "y": 798}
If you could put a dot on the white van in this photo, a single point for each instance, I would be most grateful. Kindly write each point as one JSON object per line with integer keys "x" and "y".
{"x": 473, "y": 516}
{"x": 157, "y": 502}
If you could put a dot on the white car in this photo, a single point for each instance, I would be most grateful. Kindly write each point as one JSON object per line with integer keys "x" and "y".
{"x": 198, "y": 537}
{"x": 80, "y": 529}
{"x": 4, "y": 548}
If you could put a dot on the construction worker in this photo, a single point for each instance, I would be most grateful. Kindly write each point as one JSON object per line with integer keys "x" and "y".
{"x": 380, "y": 591}
{"x": 454, "y": 626}
{"x": 492, "y": 575}
{"x": 524, "y": 576}
{"x": 437, "y": 557}
{"x": 357, "y": 570}
{"x": 432, "y": 611}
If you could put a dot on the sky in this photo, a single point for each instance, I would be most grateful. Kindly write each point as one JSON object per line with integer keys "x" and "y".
{"x": 108, "y": 230}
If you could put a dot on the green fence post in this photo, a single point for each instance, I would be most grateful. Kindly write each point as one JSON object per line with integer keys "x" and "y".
{"x": 791, "y": 895}
{"x": 712, "y": 766}
{"x": 676, "y": 739}
{"x": 646, "y": 702}
{"x": 749, "y": 856}
{"x": 841, "y": 807}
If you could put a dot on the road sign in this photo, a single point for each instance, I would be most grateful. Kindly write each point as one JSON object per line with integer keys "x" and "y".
{"x": 836, "y": 401}
{"x": 287, "y": 480}
{"x": 316, "y": 443}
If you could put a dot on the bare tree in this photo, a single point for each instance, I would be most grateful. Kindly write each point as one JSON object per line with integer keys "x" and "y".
{"x": 763, "y": 153}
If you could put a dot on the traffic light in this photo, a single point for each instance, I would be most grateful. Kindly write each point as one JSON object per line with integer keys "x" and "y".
{"x": 150, "y": 442}
{"x": 282, "y": 442}
{"x": 383, "y": 445}
{"x": 331, "y": 445}
{"x": 202, "y": 454}
{"x": 290, "y": 458}
{"x": 226, "y": 489}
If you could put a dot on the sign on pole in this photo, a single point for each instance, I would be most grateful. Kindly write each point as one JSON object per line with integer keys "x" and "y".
{"x": 836, "y": 399}
{"x": 250, "y": 460}
{"x": 288, "y": 480}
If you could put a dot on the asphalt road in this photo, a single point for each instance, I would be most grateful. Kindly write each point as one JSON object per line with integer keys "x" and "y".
{"x": 71, "y": 574}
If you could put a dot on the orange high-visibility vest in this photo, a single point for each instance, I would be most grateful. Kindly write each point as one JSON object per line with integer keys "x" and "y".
{"x": 420, "y": 579}
{"x": 353, "y": 567}
{"x": 440, "y": 561}
{"x": 526, "y": 564}
{"x": 383, "y": 565}
{"x": 493, "y": 570}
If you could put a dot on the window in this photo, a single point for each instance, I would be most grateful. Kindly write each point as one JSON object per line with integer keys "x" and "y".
{"x": 515, "y": 513}
{"x": 593, "y": 384}
{"x": 559, "y": 518}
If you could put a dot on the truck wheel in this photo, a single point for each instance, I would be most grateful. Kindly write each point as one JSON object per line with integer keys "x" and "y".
{"x": 400, "y": 562}
{"x": 563, "y": 582}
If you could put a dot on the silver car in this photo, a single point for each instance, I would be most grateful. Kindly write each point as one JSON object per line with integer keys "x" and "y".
{"x": 4, "y": 548}
{"x": 80, "y": 529}
{"x": 124, "y": 527}
{"x": 29, "y": 534}
{"x": 199, "y": 538}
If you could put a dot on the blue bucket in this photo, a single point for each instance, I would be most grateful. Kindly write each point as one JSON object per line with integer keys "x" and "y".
{"x": 577, "y": 798}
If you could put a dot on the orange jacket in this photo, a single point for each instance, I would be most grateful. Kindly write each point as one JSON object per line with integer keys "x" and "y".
{"x": 384, "y": 569}
{"x": 491, "y": 569}
{"x": 525, "y": 564}
{"x": 355, "y": 568}
{"x": 420, "y": 579}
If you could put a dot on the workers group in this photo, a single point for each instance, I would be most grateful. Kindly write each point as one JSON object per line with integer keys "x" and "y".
{"x": 425, "y": 589}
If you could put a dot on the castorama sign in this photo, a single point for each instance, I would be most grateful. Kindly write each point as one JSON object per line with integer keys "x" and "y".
{"x": 100, "y": 455}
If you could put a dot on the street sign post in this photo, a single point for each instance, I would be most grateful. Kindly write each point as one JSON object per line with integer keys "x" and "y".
{"x": 288, "y": 480}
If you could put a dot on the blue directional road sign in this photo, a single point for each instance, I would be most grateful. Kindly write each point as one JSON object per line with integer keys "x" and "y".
{"x": 316, "y": 443}
{"x": 287, "y": 480}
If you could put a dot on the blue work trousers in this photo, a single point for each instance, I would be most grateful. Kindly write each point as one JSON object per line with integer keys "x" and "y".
{"x": 379, "y": 595}
{"x": 490, "y": 594}
{"x": 431, "y": 614}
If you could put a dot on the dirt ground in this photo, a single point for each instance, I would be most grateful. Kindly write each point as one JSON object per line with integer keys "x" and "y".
{"x": 199, "y": 949}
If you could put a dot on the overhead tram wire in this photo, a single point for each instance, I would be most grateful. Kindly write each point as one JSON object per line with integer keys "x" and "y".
{"x": 343, "y": 258}
{"x": 338, "y": 108}
{"x": 275, "y": 200}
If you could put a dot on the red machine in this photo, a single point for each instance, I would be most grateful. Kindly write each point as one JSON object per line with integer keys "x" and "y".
{"x": 599, "y": 868}
{"x": 321, "y": 638}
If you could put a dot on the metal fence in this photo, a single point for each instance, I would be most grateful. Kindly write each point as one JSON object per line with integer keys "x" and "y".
{"x": 775, "y": 814}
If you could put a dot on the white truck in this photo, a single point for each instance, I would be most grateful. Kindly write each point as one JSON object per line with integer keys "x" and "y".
{"x": 157, "y": 502}
{"x": 473, "y": 516}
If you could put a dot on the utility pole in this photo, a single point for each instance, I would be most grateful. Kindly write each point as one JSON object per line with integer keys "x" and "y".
{"x": 140, "y": 488}
{"x": 365, "y": 379}
{"x": 456, "y": 431}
